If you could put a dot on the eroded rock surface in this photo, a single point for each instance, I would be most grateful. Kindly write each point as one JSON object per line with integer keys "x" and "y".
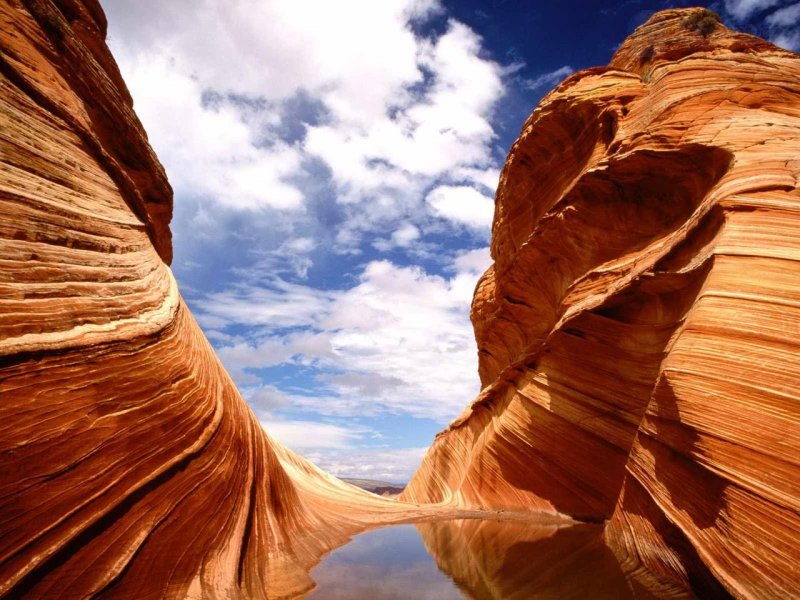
{"x": 639, "y": 331}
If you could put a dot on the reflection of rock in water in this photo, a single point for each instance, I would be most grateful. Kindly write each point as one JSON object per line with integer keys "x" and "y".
{"x": 490, "y": 560}
{"x": 384, "y": 564}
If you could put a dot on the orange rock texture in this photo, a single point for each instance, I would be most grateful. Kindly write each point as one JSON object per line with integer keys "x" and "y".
{"x": 130, "y": 467}
{"x": 639, "y": 330}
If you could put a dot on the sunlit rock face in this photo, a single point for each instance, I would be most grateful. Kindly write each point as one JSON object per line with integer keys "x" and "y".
{"x": 639, "y": 331}
{"x": 130, "y": 467}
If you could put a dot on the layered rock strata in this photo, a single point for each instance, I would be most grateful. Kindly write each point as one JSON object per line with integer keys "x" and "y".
{"x": 639, "y": 330}
{"x": 130, "y": 467}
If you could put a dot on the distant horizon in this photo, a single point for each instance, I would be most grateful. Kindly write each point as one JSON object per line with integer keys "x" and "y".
{"x": 334, "y": 169}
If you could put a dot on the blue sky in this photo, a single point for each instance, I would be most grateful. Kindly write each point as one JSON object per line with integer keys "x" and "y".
{"x": 334, "y": 166}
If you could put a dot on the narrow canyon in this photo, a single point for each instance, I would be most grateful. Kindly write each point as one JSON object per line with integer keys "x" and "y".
{"x": 638, "y": 338}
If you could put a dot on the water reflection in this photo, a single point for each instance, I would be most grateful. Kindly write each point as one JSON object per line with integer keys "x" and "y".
{"x": 472, "y": 558}
{"x": 491, "y": 560}
{"x": 385, "y": 564}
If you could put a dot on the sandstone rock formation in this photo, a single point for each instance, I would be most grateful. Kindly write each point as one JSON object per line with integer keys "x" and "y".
{"x": 130, "y": 467}
{"x": 639, "y": 330}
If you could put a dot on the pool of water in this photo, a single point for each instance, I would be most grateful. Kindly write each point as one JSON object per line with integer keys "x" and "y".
{"x": 383, "y": 564}
{"x": 479, "y": 559}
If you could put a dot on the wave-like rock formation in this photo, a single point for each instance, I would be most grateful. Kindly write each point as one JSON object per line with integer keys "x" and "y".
{"x": 639, "y": 330}
{"x": 130, "y": 467}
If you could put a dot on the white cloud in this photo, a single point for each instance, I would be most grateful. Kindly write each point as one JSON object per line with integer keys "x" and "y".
{"x": 303, "y": 347}
{"x": 406, "y": 234}
{"x": 784, "y": 27}
{"x": 549, "y": 79}
{"x": 400, "y": 340}
{"x": 292, "y": 256}
{"x": 381, "y": 464}
{"x": 297, "y": 127}
{"x": 427, "y": 133}
{"x": 266, "y": 398}
{"x": 273, "y": 49}
{"x": 301, "y": 244}
{"x": 743, "y": 9}
{"x": 209, "y": 150}
{"x": 789, "y": 16}
{"x": 282, "y": 304}
{"x": 398, "y": 110}
{"x": 488, "y": 178}
{"x": 401, "y": 324}
{"x": 386, "y": 163}
{"x": 462, "y": 204}
{"x": 789, "y": 40}
{"x": 341, "y": 451}
{"x": 308, "y": 435}
{"x": 473, "y": 262}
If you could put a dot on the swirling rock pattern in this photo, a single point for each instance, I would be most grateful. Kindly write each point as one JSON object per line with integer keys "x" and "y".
{"x": 639, "y": 330}
{"x": 130, "y": 467}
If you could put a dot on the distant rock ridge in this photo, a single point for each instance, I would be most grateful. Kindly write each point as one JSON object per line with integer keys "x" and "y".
{"x": 381, "y": 488}
{"x": 639, "y": 330}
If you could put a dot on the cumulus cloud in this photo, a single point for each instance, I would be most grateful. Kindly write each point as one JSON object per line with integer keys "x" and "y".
{"x": 402, "y": 237}
{"x": 489, "y": 178}
{"x": 473, "y": 261}
{"x": 210, "y": 150}
{"x": 462, "y": 204}
{"x": 423, "y": 133}
{"x": 400, "y": 340}
{"x": 272, "y": 49}
{"x": 302, "y": 436}
{"x": 382, "y": 464}
{"x": 400, "y": 323}
{"x": 343, "y": 451}
{"x": 216, "y": 86}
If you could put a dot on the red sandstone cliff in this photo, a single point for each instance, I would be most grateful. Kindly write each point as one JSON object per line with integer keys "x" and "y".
{"x": 639, "y": 331}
